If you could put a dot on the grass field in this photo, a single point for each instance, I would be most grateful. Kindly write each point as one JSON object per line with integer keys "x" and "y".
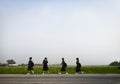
{"x": 56, "y": 70}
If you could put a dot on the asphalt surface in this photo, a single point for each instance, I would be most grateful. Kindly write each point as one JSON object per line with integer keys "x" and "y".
{"x": 61, "y": 79}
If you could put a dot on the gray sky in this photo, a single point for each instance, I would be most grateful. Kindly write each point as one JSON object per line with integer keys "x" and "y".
{"x": 88, "y": 29}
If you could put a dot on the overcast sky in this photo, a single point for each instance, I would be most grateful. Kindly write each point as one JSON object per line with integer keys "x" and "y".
{"x": 88, "y": 29}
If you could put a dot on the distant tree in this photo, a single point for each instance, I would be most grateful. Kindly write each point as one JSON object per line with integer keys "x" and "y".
{"x": 11, "y": 61}
{"x": 3, "y": 64}
{"x": 115, "y": 63}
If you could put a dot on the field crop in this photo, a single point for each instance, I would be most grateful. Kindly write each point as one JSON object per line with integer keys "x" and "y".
{"x": 56, "y": 70}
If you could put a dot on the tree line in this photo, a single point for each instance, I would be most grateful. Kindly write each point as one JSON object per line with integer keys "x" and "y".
{"x": 115, "y": 63}
{"x": 11, "y": 61}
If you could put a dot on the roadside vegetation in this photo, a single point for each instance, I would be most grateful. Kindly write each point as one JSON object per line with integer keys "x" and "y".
{"x": 12, "y": 68}
{"x": 56, "y": 69}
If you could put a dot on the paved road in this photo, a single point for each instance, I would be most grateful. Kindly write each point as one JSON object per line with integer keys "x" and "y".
{"x": 61, "y": 79}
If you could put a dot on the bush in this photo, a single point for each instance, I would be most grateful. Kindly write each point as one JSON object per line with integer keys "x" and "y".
{"x": 2, "y": 65}
{"x": 115, "y": 63}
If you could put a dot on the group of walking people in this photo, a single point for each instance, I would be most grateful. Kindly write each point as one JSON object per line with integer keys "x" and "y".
{"x": 45, "y": 66}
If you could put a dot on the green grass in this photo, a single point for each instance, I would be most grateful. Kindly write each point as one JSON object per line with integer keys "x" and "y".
{"x": 56, "y": 70}
{"x": 101, "y": 69}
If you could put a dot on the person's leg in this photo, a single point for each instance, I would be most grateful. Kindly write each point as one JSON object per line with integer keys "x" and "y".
{"x": 66, "y": 71}
{"x": 43, "y": 70}
{"x": 47, "y": 69}
{"x": 28, "y": 72}
{"x": 32, "y": 71}
{"x": 62, "y": 70}
{"x": 77, "y": 70}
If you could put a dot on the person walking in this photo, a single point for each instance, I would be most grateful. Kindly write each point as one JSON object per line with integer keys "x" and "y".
{"x": 78, "y": 66}
{"x": 64, "y": 66}
{"x": 45, "y": 65}
{"x": 30, "y": 66}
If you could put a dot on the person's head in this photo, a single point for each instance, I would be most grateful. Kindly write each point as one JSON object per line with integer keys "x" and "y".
{"x": 45, "y": 58}
{"x": 63, "y": 59}
{"x": 77, "y": 59}
{"x": 30, "y": 58}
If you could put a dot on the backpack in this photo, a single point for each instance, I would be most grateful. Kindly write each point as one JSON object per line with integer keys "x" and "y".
{"x": 65, "y": 64}
{"x": 32, "y": 64}
{"x": 79, "y": 65}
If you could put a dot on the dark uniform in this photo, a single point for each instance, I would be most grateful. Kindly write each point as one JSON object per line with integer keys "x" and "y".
{"x": 78, "y": 65}
{"x": 64, "y": 65}
{"x": 45, "y": 66}
{"x": 30, "y": 65}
